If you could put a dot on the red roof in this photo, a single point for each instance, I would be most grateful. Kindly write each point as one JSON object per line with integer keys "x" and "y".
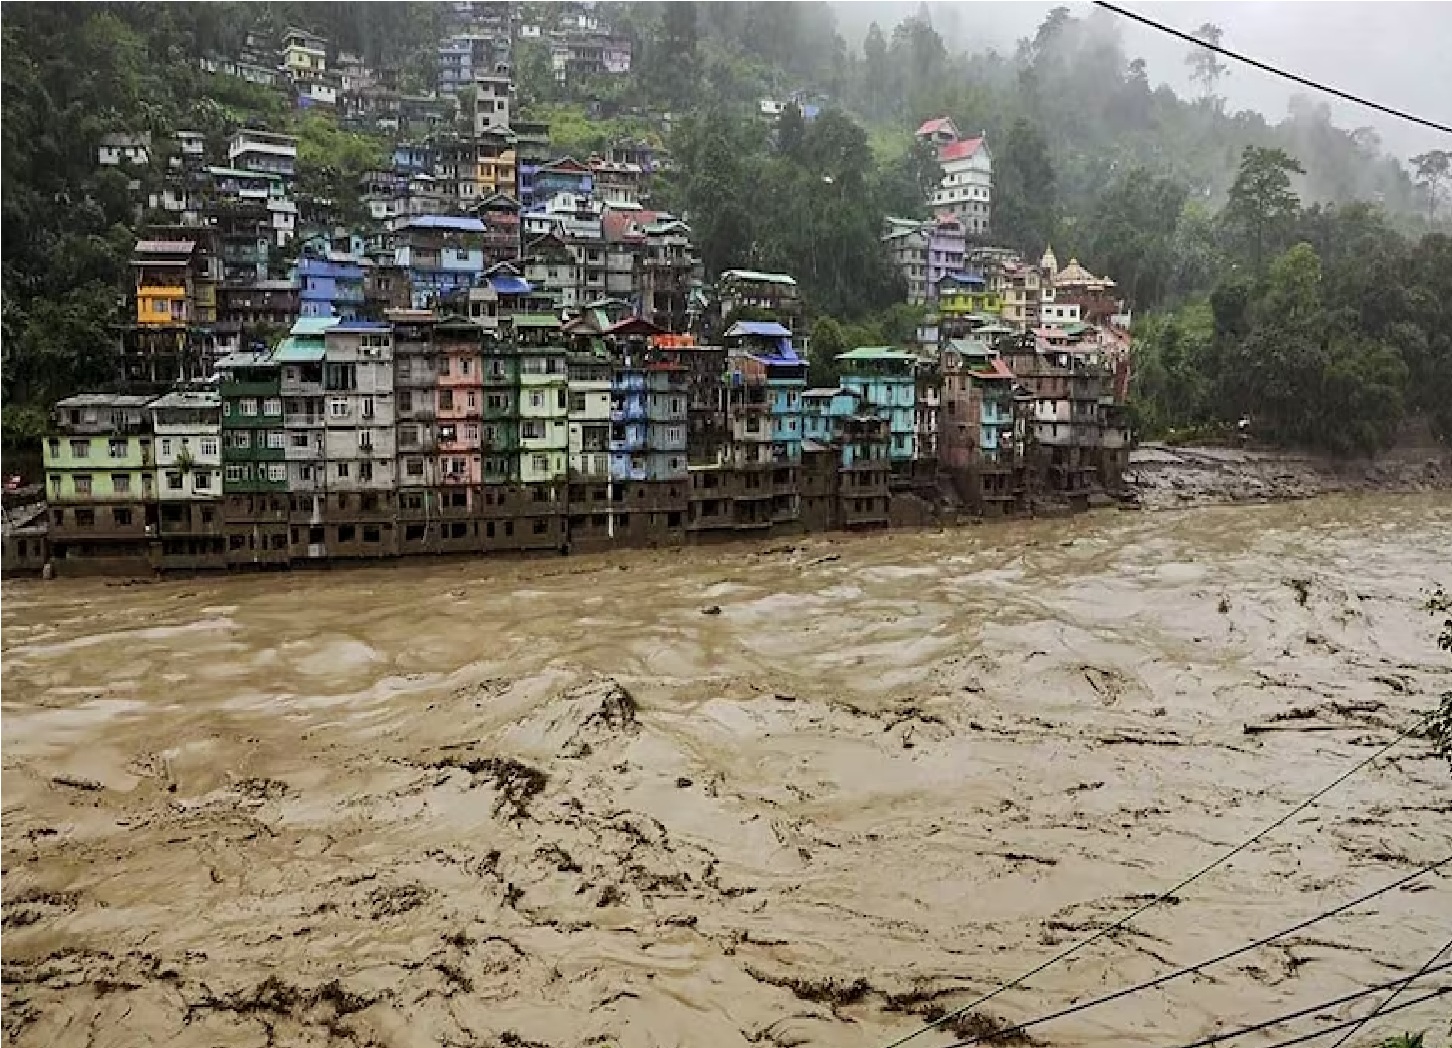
{"x": 961, "y": 149}
{"x": 998, "y": 370}
{"x": 935, "y": 125}
{"x": 634, "y": 326}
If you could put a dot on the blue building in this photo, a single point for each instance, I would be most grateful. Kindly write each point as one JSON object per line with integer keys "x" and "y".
{"x": 629, "y": 419}
{"x": 330, "y": 284}
{"x": 886, "y": 380}
{"x": 443, "y": 254}
{"x": 770, "y": 344}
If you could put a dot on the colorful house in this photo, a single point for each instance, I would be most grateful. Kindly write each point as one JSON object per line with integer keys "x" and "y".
{"x": 885, "y": 378}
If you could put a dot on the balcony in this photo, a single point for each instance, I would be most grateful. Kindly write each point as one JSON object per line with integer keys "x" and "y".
{"x": 630, "y": 413}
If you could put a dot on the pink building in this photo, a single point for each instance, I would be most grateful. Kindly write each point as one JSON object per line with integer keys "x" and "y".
{"x": 460, "y": 403}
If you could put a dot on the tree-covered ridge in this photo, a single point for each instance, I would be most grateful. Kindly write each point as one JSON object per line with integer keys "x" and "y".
{"x": 1181, "y": 202}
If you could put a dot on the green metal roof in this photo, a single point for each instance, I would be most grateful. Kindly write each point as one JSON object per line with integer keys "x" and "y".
{"x": 994, "y": 329}
{"x": 299, "y": 351}
{"x": 535, "y": 320}
{"x": 313, "y": 325}
{"x": 876, "y": 353}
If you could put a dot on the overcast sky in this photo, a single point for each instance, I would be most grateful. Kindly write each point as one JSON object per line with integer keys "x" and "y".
{"x": 1398, "y": 54}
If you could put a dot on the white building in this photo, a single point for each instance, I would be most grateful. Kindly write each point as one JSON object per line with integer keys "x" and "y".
{"x": 360, "y": 451}
{"x": 118, "y": 149}
{"x": 263, "y": 151}
{"x": 188, "y": 441}
{"x": 966, "y": 189}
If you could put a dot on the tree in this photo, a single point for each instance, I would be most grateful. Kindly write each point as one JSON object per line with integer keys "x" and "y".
{"x": 673, "y": 66}
{"x": 1205, "y": 65}
{"x": 1432, "y": 170}
{"x": 1262, "y": 204}
{"x": 828, "y": 340}
{"x": 877, "y": 72}
{"x": 1025, "y": 201}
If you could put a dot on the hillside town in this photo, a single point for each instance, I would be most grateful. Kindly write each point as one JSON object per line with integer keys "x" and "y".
{"x": 517, "y": 351}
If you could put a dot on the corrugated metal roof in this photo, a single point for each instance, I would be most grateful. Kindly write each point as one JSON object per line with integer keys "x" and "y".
{"x": 876, "y": 353}
{"x": 293, "y": 351}
{"x": 535, "y": 320}
{"x": 755, "y": 275}
{"x": 188, "y": 399}
{"x": 313, "y": 325}
{"x": 455, "y": 222}
{"x": 762, "y": 328}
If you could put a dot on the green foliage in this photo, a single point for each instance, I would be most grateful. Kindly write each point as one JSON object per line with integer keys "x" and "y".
{"x": 23, "y": 427}
{"x": 1262, "y": 205}
{"x": 828, "y": 340}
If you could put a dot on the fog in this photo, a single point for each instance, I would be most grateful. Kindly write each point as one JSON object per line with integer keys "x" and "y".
{"x": 1392, "y": 53}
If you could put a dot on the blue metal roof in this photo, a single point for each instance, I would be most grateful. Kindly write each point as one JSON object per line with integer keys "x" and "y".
{"x": 464, "y": 225}
{"x": 507, "y": 285}
{"x": 764, "y": 328}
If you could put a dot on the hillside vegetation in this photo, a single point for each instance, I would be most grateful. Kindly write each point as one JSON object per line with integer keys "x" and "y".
{"x": 1289, "y": 271}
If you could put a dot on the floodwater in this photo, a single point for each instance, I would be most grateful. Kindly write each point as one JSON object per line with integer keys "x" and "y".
{"x": 558, "y": 803}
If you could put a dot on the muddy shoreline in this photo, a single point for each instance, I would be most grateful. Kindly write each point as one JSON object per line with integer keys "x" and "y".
{"x": 1165, "y": 477}
{"x": 554, "y": 803}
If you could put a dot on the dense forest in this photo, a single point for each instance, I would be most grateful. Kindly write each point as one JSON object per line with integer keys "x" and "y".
{"x": 1289, "y": 271}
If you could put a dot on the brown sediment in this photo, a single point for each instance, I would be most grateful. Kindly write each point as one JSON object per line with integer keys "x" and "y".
{"x": 493, "y": 803}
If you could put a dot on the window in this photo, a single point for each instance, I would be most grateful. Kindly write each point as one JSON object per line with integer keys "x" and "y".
{"x": 122, "y": 517}
{"x": 342, "y": 470}
{"x": 202, "y": 480}
{"x": 276, "y": 472}
{"x": 83, "y": 483}
{"x": 209, "y": 446}
{"x": 446, "y": 400}
{"x": 347, "y": 532}
{"x": 276, "y": 439}
{"x": 367, "y": 407}
{"x": 338, "y": 407}
{"x": 540, "y": 525}
{"x": 120, "y": 483}
{"x": 272, "y": 406}
{"x": 532, "y": 429}
{"x": 80, "y": 449}
{"x": 365, "y": 439}
{"x": 247, "y": 406}
{"x": 299, "y": 440}
{"x": 85, "y": 518}
{"x": 58, "y": 516}
{"x": 577, "y": 403}
{"x": 541, "y": 463}
{"x": 371, "y": 533}
{"x": 365, "y": 471}
{"x": 117, "y": 448}
{"x": 305, "y": 473}
{"x": 232, "y": 474}
{"x": 464, "y": 363}
{"x": 405, "y": 401}
{"x": 55, "y": 447}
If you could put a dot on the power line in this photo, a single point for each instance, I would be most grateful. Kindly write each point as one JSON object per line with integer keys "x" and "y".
{"x": 1349, "y": 1022}
{"x": 1228, "y": 1035}
{"x": 1385, "y": 1006}
{"x": 1171, "y": 976}
{"x": 1162, "y": 896}
{"x": 1272, "y": 69}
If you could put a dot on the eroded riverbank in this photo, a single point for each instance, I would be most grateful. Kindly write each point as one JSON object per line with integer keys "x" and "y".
{"x": 554, "y": 803}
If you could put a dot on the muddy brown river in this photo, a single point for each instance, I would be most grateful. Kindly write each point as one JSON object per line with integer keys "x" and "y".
{"x": 797, "y": 793}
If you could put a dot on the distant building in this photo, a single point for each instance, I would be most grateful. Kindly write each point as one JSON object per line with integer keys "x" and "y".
{"x": 119, "y": 149}
{"x": 925, "y": 252}
{"x": 303, "y": 53}
{"x": 263, "y": 152}
{"x": 966, "y": 187}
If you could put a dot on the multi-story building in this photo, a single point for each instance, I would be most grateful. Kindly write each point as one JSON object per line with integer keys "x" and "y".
{"x": 303, "y": 53}
{"x": 254, "y": 453}
{"x": 854, "y": 492}
{"x": 263, "y": 152}
{"x": 775, "y": 293}
{"x": 1020, "y": 286}
{"x": 966, "y": 186}
{"x": 442, "y": 254}
{"x": 769, "y": 444}
{"x": 300, "y": 357}
{"x": 259, "y": 305}
{"x": 187, "y": 429}
{"x": 170, "y": 340}
{"x": 459, "y": 345}
{"x": 886, "y": 380}
{"x": 585, "y": 54}
{"x": 925, "y": 252}
{"x": 101, "y": 484}
{"x": 589, "y": 371}
{"x": 532, "y": 151}
{"x": 359, "y": 448}
{"x": 549, "y": 180}
{"x": 415, "y": 382}
{"x": 330, "y": 284}
{"x": 977, "y": 446}
{"x": 493, "y": 103}
{"x": 544, "y": 437}
{"x": 499, "y": 213}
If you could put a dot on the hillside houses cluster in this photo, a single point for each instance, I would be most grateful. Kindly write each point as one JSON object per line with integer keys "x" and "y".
{"x": 517, "y": 351}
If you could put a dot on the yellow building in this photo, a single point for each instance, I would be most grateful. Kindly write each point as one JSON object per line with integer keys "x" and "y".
{"x": 164, "y": 285}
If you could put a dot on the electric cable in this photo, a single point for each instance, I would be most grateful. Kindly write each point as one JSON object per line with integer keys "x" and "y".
{"x": 1160, "y": 980}
{"x": 1162, "y": 896}
{"x": 1267, "y": 68}
{"x": 1384, "y": 1006}
{"x": 1342, "y": 1025}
